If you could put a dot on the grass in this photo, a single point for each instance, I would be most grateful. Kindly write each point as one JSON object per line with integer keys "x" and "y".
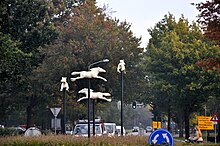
{"x": 67, "y": 140}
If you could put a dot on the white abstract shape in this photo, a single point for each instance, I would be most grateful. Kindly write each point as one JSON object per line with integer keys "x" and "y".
{"x": 121, "y": 66}
{"x": 166, "y": 137}
{"x": 64, "y": 84}
{"x": 93, "y": 73}
{"x": 155, "y": 139}
{"x": 94, "y": 95}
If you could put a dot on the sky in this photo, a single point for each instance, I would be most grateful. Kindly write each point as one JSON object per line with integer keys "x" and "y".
{"x": 144, "y": 14}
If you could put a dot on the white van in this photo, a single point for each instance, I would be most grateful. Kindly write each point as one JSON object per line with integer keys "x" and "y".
{"x": 81, "y": 129}
{"x": 118, "y": 129}
{"x": 110, "y": 129}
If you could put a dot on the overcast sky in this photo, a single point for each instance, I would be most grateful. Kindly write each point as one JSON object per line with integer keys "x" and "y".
{"x": 144, "y": 14}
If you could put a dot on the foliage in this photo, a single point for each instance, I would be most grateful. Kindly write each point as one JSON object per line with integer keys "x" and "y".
{"x": 170, "y": 62}
{"x": 89, "y": 36}
{"x": 24, "y": 27}
{"x": 210, "y": 21}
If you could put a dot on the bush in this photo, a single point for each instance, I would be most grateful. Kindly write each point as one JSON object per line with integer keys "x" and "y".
{"x": 11, "y": 132}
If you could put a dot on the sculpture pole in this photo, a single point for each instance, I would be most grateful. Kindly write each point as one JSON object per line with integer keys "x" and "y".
{"x": 93, "y": 111}
{"x": 122, "y": 95}
{"x": 121, "y": 69}
{"x": 64, "y": 88}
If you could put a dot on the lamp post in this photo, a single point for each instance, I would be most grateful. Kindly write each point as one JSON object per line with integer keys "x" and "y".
{"x": 64, "y": 88}
{"x": 121, "y": 70}
{"x": 88, "y": 102}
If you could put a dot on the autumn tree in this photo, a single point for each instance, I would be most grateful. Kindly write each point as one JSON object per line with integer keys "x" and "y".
{"x": 87, "y": 36}
{"x": 209, "y": 20}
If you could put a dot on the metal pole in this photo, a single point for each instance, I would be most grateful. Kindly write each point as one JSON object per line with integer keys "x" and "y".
{"x": 88, "y": 106}
{"x": 93, "y": 116}
{"x": 93, "y": 111}
{"x": 122, "y": 103}
{"x": 215, "y": 131}
{"x": 64, "y": 111}
{"x": 55, "y": 124}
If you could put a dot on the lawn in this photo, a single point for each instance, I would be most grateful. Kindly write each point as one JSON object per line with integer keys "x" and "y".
{"x": 67, "y": 140}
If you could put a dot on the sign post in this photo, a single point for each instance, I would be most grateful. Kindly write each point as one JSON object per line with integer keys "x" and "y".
{"x": 214, "y": 119}
{"x": 55, "y": 112}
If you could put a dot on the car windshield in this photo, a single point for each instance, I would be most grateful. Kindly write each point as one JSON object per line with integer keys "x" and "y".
{"x": 83, "y": 129}
{"x": 109, "y": 128}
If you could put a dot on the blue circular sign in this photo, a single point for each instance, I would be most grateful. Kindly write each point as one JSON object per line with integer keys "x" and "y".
{"x": 161, "y": 136}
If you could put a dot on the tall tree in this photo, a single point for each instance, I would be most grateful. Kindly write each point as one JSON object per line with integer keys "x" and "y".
{"x": 25, "y": 22}
{"x": 209, "y": 19}
{"x": 170, "y": 61}
{"x": 88, "y": 36}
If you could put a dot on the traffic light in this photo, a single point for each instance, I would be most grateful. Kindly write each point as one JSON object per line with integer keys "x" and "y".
{"x": 134, "y": 105}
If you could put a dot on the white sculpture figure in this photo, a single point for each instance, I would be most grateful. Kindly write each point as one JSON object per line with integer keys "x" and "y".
{"x": 94, "y": 95}
{"x": 121, "y": 66}
{"x": 64, "y": 84}
{"x": 93, "y": 73}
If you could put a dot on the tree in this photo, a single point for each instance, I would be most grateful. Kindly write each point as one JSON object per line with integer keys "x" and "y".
{"x": 88, "y": 36}
{"x": 10, "y": 70}
{"x": 26, "y": 24}
{"x": 210, "y": 21}
{"x": 170, "y": 61}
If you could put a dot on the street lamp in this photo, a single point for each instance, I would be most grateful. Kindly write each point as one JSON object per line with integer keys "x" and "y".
{"x": 121, "y": 69}
{"x": 64, "y": 88}
{"x": 88, "y": 102}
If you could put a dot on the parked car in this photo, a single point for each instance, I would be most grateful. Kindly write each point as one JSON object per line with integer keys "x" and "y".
{"x": 110, "y": 129}
{"x": 149, "y": 129}
{"x": 118, "y": 130}
{"x": 135, "y": 130}
{"x": 81, "y": 128}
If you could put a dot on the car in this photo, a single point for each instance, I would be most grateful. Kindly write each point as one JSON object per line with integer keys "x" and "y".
{"x": 118, "y": 130}
{"x": 110, "y": 129}
{"x": 69, "y": 130}
{"x": 149, "y": 129}
{"x": 81, "y": 128}
{"x": 135, "y": 130}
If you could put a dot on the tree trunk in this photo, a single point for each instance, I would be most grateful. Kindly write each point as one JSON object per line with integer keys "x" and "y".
{"x": 169, "y": 117}
{"x": 180, "y": 126}
{"x": 29, "y": 113}
{"x": 186, "y": 115}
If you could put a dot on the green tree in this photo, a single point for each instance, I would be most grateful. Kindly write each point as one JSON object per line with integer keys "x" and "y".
{"x": 10, "y": 70}
{"x": 170, "y": 61}
{"x": 28, "y": 25}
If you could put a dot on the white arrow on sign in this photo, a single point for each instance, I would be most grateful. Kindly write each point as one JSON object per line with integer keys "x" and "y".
{"x": 55, "y": 111}
{"x": 166, "y": 137}
{"x": 155, "y": 139}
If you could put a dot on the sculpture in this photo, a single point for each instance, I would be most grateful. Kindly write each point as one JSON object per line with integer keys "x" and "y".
{"x": 121, "y": 66}
{"x": 92, "y": 73}
{"x": 64, "y": 84}
{"x": 94, "y": 95}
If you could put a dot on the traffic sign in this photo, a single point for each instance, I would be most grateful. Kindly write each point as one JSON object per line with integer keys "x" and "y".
{"x": 156, "y": 124}
{"x": 55, "y": 111}
{"x": 161, "y": 136}
{"x": 205, "y": 123}
{"x": 214, "y": 117}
